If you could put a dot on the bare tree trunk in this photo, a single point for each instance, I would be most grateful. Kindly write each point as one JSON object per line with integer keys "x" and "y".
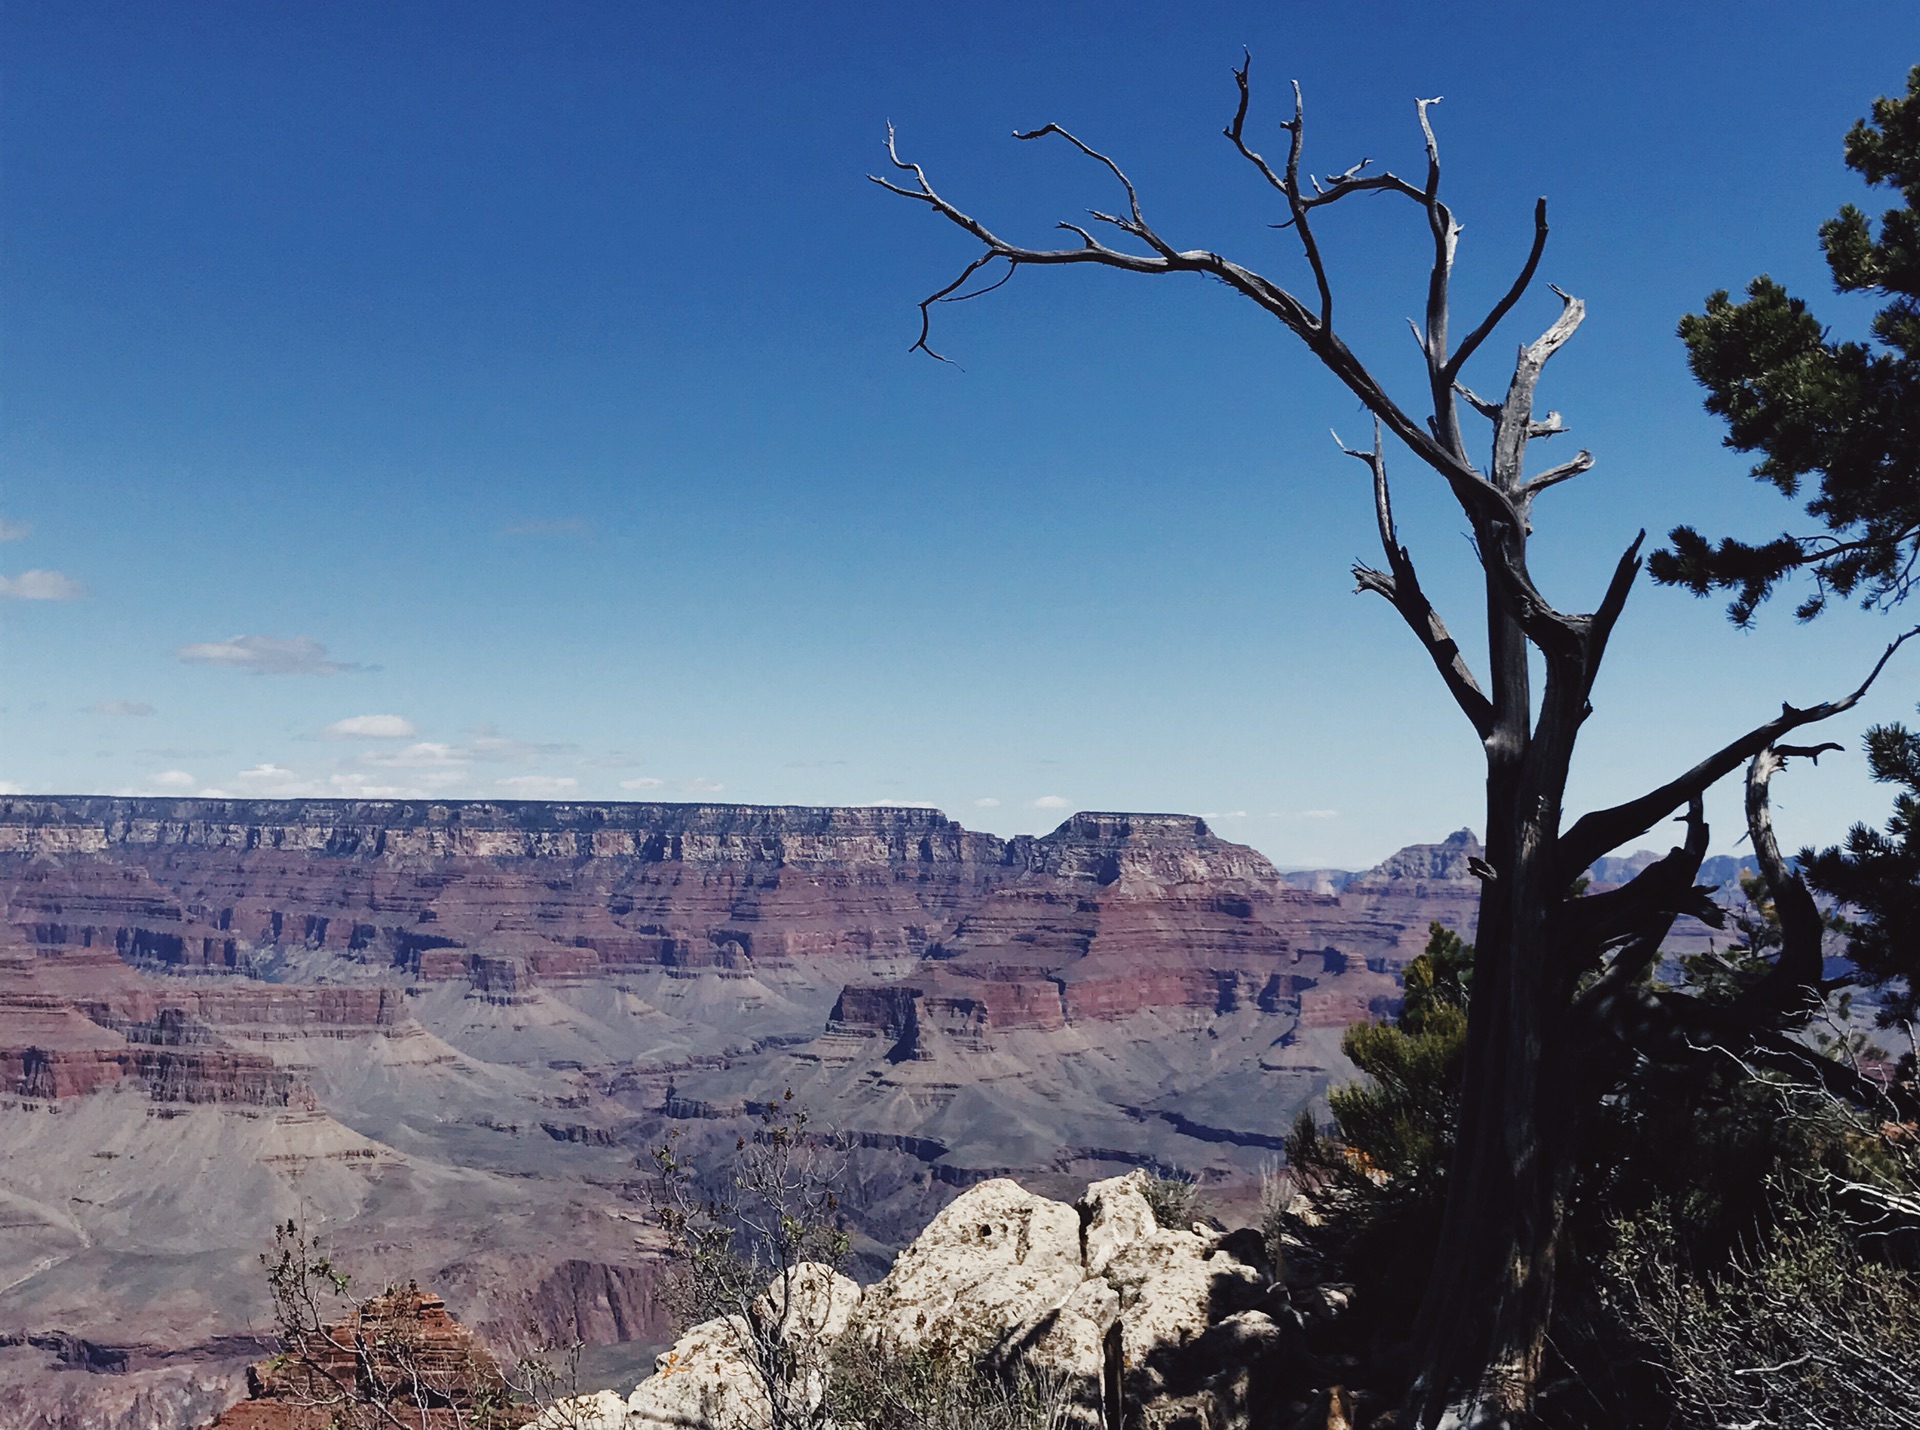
{"x": 1481, "y": 1336}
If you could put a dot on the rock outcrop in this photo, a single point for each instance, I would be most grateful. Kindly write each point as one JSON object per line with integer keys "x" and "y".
{"x": 1132, "y": 1323}
{"x": 398, "y": 1361}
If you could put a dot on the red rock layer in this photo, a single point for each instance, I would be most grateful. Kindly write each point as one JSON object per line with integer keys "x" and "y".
{"x": 1108, "y": 916}
{"x": 74, "y": 1026}
{"x": 376, "y": 1367}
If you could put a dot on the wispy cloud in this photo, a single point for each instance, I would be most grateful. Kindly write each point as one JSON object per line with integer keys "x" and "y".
{"x": 14, "y": 531}
{"x": 644, "y": 782}
{"x": 538, "y": 786}
{"x": 424, "y": 755}
{"x": 371, "y": 727}
{"x": 122, "y": 709}
{"x": 273, "y": 781}
{"x": 490, "y": 745}
{"x": 9, "y": 787}
{"x": 351, "y": 784}
{"x": 40, "y": 586}
{"x": 702, "y": 786}
{"x": 267, "y": 655}
{"x": 988, "y": 802}
{"x": 173, "y": 779}
{"x": 1051, "y": 801}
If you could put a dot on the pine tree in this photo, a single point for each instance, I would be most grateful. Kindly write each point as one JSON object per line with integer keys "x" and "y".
{"x": 1845, "y": 414}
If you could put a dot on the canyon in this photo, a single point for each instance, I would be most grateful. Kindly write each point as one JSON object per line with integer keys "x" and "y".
{"x": 445, "y": 1036}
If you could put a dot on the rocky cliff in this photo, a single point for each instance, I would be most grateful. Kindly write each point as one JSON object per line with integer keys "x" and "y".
{"x": 1094, "y": 1309}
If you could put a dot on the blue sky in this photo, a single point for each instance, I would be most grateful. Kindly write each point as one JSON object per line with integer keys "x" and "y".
{"x": 514, "y": 400}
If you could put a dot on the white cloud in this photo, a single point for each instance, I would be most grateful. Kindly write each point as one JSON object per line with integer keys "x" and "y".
{"x": 538, "y": 786}
{"x": 1319, "y": 814}
{"x": 40, "y": 586}
{"x": 275, "y": 782}
{"x": 988, "y": 803}
{"x": 127, "y": 709}
{"x": 7, "y": 787}
{"x": 213, "y": 792}
{"x": 1226, "y": 814}
{"x": 703, "y": 786}
{"x": 644, "y": 782}
{"x": 174, "y": 779}
{"x": 350, "y": 784}
{"x": 13, "y": 531}
{"x": 371, "y": 727}
{"x": 267, "y": 655}
{"x": 425, "y": 755}
{"x": 1050, "y": 801}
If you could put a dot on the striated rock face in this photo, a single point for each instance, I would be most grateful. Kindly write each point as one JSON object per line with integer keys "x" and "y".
{"x": 70, "y": 1030}
{"x": 504, "y": 896}
{"x": 451, "y": 1032}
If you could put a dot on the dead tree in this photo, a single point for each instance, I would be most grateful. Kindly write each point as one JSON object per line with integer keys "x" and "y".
{"x": 1556, "y": 998}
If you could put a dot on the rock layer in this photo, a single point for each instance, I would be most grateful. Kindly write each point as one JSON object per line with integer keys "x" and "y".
{"x": 453, "y": 1031}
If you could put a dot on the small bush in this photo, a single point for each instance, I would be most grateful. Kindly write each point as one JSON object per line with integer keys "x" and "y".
{"x": 1805, "y": 1331}
{"x": 1175, "y": 1201}
{"x": 875, "y": 1386}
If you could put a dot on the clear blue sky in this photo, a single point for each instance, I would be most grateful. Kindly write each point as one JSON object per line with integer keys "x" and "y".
{"x": 535, "y": 377}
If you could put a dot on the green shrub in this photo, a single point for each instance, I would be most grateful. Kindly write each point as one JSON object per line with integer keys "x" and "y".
{"x": 1175, "y": 1201}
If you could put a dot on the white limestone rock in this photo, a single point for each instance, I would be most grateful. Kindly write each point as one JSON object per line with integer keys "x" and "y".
{"x": 996, "y": 1259}
{"x": 1115, "y": 1214}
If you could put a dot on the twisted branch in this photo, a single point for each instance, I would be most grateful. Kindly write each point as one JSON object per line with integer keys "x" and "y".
{"x": 1594, "y": 834}
{"x": 1401, "y": 586}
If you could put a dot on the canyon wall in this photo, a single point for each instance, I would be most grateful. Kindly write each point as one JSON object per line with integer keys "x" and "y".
{"x": 448, "y": 1034}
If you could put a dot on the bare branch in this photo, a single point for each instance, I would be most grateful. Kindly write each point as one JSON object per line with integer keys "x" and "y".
{"x": 1486, "y": 408}
{"x": 1600, "y": 629}
{"x": 947, "y": 295}
{"x": 1513, "y": 295}
{"x": 1402, "y": 589}
{"x": 1794, "y": 978}
{"x": 1138, "y": 226}
{"x": 1659, "y": 892}
{"x": 1553, "y": 476}
{"x": 1236, "y": 129}
{"x": 1514, "y": 426}
{"x": 1594, "y": 834}
{"x": 1296, "y": 142}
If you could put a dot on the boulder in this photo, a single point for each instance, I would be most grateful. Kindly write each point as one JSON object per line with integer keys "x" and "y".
{"x": 1115, "y": 1214}
{"x": 998, "y": 1259}
{"x": 708, "y": 1379}
{"x": 704, "y": 1380}
{"x": 1135, "y": 1323}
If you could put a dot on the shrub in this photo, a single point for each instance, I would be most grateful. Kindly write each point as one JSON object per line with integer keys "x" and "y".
{"x": 875, "y": 1386}
{"x": 1175, "y": 1201}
